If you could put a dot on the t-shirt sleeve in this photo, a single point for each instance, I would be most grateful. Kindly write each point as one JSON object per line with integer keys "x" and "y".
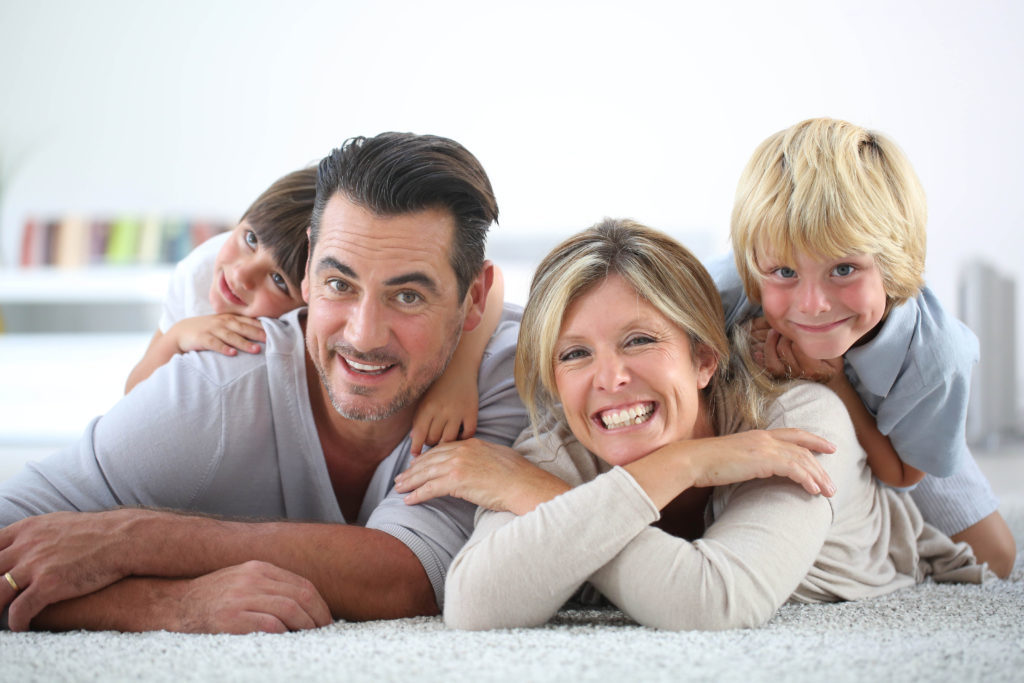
{"x": 173, "y": 308}
{"x": 436, "y": 530}
{"x": 156, "y": 447}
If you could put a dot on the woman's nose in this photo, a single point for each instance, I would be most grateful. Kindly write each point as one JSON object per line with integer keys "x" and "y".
{"x": 612, "y": 373}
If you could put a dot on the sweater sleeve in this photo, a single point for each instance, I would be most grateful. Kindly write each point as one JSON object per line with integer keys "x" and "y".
{"x": 518, "y": 571}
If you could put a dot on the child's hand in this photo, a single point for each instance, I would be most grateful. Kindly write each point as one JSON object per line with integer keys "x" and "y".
{"x": 447, "y": 412}
{"x": 782, "y": 359}
{"x": 226, "y": 333}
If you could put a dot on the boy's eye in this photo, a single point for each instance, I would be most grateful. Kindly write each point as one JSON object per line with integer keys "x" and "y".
{"x": 408, "y": 297}
{"x": 843, "y": 269}
{"x": 251, "y": 240}
{"x": 785, "y": 272}
{"x": 279, "y": 280}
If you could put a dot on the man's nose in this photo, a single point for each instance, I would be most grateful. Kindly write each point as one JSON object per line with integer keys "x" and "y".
{"x": 366, "y": 329}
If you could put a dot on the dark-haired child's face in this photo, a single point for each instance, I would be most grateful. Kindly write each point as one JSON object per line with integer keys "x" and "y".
{"x": 247, "y": 280}
{"x": 825, "y": 306}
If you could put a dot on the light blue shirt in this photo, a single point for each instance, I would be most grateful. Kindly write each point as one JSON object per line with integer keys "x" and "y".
{"x": 914, "y": 376}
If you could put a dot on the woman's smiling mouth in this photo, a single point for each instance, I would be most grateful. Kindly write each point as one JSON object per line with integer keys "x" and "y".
{"x": 623, "y": 417}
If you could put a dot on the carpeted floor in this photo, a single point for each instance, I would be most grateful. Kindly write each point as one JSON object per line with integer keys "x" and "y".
{"x": 927, "y": 633}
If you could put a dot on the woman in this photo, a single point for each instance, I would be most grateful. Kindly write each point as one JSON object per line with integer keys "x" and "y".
{"x": 625, "y": 368}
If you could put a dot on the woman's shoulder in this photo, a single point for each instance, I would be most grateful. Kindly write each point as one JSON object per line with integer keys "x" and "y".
{"x": 805, "y": 401}
{"x": 552, "y": 446}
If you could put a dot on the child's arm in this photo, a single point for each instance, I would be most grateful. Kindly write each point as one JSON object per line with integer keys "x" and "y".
{"x": 782, "y": 359}
{"x": 226, "y": 332}
{"x": 452, "y": 402}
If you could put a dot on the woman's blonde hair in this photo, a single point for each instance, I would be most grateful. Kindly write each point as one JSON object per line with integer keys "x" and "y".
{"x": 830, "y": 188}
{"x": 665, "y": 274}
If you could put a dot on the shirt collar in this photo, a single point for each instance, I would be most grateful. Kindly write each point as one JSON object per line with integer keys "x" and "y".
{"x": 878, "y": 362}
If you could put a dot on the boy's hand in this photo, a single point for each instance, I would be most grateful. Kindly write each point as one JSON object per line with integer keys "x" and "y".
{"x": 226, "y": 333}
{"x": 782, "y": 359}
{"x": 447, "y": 412}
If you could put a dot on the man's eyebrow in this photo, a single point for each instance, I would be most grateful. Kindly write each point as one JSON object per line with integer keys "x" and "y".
{"x": 331, "y": 263}
{"x": 414, "y": 278}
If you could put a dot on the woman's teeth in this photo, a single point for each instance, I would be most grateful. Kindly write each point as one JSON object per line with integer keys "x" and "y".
{"x": 632, "y": 416}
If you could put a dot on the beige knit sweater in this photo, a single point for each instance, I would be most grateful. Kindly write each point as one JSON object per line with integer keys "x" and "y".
{"x": 768, "y": 541}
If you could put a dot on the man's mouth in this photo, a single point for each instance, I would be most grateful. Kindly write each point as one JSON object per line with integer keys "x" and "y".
{"x": 624, "y": 417}
{"x": 367, "y": 368}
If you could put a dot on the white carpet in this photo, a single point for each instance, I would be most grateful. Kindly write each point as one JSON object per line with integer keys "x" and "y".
{"x": 927, "y": 633}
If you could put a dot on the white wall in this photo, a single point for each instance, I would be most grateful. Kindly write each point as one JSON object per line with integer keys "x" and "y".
{"x": 577, "y": 110}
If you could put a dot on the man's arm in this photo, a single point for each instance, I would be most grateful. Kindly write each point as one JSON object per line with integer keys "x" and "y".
{"x": 361, "y": 573}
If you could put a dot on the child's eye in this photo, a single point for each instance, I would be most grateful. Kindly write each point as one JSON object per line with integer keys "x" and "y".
{"x": 843, "y": 269}
{"x": 279, "y": 280}
{"x": 251, "y": 240}
{"x": 571, "y": 355}
{"x": 785, "y": 272}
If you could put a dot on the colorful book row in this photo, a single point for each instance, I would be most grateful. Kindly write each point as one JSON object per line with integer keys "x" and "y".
{"x": 74, "y": 241}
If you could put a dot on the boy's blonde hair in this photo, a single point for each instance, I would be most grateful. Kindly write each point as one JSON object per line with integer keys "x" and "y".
{"x": 830, "y": 188}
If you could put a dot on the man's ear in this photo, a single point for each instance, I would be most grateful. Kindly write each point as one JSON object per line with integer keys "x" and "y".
{"x": 304, "y": 285}
{"x": 705, "y": 363}
{"x": 476, "y": 296}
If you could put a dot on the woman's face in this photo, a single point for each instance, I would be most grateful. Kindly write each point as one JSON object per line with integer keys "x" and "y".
{"x": 626, "y": 377}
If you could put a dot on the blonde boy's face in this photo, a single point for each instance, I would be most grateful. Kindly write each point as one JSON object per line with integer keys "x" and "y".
{"x": 825, "y": 306}
{"x": 247, "y": 280}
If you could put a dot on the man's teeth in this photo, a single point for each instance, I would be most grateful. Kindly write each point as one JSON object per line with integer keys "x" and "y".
{"x": 631, "y": 416}
{"x": 363, "y": 367}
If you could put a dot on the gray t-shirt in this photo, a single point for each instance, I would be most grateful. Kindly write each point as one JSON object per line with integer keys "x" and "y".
{"x": 235, "y": 436}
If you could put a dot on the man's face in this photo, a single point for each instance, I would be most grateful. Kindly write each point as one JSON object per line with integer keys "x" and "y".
{"x": 384, "y": 314}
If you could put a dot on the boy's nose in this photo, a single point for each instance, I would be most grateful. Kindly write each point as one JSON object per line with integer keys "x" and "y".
{"x": 812, "y": 298}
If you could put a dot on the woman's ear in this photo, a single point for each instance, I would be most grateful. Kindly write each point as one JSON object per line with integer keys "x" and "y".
{"x": 706, "y": 363}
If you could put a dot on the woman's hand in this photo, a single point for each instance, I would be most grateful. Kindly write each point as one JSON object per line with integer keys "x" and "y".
{"x": 721, "y": 460}
{"x": 485, "y": 474}
{"x": 225, "y": 333}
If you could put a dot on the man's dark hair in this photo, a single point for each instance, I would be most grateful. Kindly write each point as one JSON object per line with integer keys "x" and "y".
{"x": 396, "y": 173}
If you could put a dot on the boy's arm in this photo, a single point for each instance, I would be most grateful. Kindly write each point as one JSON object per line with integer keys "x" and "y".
{"x": 449, "y": 408}
{"x": 883, "y": 459}
{"x": 226, "y": 333}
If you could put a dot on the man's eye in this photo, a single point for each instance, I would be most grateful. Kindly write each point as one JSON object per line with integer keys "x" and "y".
{"x": 279, "y": 280}
{"x": 409, "y": 297}
{"x": 337, "y": 285}
{"x": 843, "y": 269}
{"x": 251, "y": 239}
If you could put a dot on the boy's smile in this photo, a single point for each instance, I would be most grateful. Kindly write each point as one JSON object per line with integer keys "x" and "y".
{"x": 825, "y": 306}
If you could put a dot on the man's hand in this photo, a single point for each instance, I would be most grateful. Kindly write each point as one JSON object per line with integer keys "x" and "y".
{"x": 59, "y": 556}
{"x": 255, "y": 596}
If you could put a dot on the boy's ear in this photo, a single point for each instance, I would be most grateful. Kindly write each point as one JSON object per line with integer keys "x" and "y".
{"x": 304, "y": 285}
{"x": 476, "y": 296}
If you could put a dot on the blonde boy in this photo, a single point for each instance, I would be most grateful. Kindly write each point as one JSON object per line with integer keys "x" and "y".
{"x": 828, "y": 235}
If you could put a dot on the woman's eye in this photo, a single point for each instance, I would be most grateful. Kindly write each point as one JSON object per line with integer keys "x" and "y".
{"x": 279, "y": 280}
{"x": 640, "y": 340}
{"x": 571, "y": 354}
{"x": 843, "y": 269}
{"x": 251, "y": 240}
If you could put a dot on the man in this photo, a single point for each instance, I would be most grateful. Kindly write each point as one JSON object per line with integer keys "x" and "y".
{"x": 313, "y": 433}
